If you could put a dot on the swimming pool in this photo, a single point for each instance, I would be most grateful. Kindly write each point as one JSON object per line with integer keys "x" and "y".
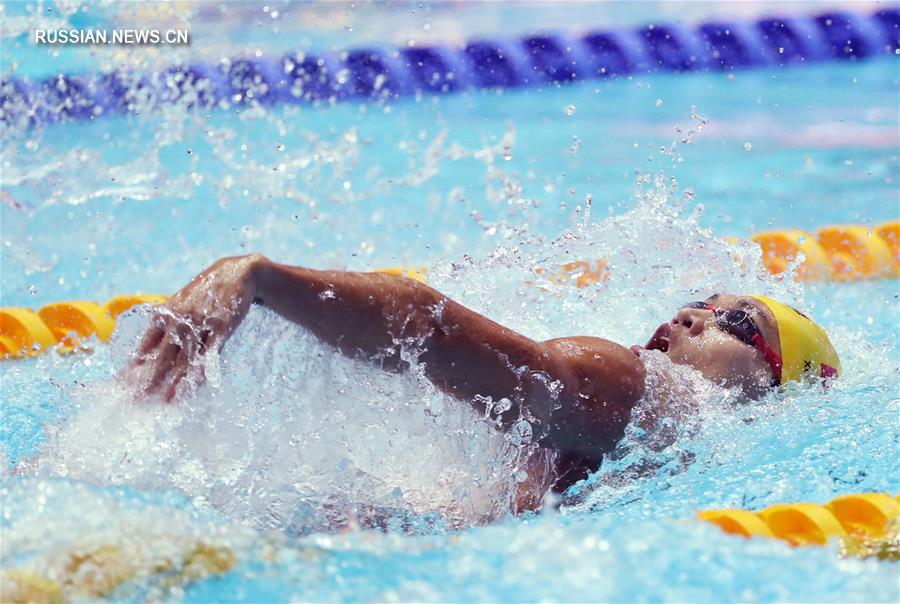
{"x": 480, "y": 187}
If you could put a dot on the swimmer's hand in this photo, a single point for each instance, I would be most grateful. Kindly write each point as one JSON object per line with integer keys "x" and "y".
{"x": 197, "y": 319}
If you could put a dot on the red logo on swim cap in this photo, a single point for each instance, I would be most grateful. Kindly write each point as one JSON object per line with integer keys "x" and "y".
{"x": 827, "y": 372}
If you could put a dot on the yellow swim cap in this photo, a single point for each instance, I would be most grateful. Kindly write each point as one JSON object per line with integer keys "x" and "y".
{"x": 805, "y": 347}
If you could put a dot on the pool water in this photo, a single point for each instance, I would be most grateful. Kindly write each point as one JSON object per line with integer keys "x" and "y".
{"x": 227, "y": 495}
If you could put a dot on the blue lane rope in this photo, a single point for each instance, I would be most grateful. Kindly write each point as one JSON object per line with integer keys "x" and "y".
{"x": 385, "y": 74}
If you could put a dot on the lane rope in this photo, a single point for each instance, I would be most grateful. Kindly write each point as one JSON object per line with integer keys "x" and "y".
{"x": 839, "y": 253}
{"x": 866, "y": 524}
{"x": 379, "y": 74}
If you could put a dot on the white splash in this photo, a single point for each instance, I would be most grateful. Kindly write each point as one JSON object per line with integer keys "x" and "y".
{"x": 289, "y": 433}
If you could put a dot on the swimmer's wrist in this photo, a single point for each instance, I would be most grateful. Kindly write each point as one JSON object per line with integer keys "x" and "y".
{"x": 257, "y": 264}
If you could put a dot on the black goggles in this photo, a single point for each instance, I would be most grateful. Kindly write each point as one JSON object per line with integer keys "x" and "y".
{"x": 735, "y": 322}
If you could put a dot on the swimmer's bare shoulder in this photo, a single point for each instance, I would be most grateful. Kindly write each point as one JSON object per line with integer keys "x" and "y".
{"x": 604, "y": 381}
{"x": 370, "y": 315}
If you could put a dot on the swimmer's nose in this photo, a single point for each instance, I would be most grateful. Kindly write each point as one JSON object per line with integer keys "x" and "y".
{"x": 693, "y": 319}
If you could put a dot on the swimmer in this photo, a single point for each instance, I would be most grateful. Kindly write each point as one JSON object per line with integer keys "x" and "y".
{"x": 577, "y": 392}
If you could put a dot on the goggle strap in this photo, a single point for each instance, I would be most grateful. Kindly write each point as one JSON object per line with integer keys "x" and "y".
{"x": 770, "y": 355}
{"x": 759, "y": 342}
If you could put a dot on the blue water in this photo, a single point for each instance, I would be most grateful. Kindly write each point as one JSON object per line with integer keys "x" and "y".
{"x": 481, "y": 188}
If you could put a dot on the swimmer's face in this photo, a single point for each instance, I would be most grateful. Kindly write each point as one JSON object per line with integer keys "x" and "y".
{"x": 694, "y": 337}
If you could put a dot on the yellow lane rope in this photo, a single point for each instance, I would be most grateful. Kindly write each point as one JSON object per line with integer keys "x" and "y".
{"x": 865, "y": 524}
{"x": 840, "y": 253}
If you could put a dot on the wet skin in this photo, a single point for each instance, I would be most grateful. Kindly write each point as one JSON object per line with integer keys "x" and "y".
{"x": 577, "y": 392}
{"x": 693, "y": 338}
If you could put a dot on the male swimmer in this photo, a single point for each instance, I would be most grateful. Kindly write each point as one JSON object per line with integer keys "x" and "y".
{"x": 577, "y": 392}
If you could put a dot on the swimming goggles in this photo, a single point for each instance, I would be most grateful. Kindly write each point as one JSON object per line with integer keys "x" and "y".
{"x": 738, "y": 323}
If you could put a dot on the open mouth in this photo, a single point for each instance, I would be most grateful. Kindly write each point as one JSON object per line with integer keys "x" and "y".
{"x": 660, "y": 339}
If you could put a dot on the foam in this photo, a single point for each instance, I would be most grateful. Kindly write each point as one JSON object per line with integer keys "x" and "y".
{"x": 289, "y": 433}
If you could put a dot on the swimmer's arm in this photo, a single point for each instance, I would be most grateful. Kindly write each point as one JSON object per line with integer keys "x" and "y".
{"x": 373, "y": 315}
{"x": 370, "y": 315}
{"x": 580, "y": 389}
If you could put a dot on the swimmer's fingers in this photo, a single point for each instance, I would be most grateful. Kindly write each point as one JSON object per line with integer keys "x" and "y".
{"x": 206, "y": 341}
{"x": 151, "y": 339}
{"x": 138, "y": 370}
{"x": 179, "y": 371}
{"x": 167, "y": 353}
{"x": 164, "y": 363}
{"x": 192, "y": 346}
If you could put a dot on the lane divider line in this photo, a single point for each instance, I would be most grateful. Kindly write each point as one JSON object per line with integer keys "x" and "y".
{"x": 839, "y": 253}
{"x": 861, "y": 522}
{"x": 377, "y": 73}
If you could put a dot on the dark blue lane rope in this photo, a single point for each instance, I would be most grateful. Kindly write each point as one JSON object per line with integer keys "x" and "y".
{"x": 378, "y": 74}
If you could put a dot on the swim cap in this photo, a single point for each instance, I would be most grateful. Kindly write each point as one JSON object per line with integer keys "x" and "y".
{"x": 805, "y": 347}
